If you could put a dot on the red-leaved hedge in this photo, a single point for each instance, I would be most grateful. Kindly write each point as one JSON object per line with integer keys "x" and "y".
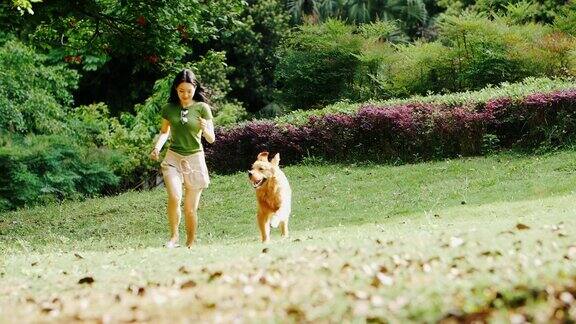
{"x": 407, "y": 133}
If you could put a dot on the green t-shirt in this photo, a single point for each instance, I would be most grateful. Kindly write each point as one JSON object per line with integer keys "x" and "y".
{"x": 186, "y": 137}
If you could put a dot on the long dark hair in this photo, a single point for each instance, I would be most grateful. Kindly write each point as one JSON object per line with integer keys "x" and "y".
{"x": 188, "y": 76}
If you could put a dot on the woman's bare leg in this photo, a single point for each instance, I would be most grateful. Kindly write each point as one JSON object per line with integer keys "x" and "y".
{"x": 174, "y": 189}
{"x": 191, "y": 203}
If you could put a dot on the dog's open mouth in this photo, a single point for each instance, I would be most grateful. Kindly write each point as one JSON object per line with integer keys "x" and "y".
{"x": 259, "y": 183}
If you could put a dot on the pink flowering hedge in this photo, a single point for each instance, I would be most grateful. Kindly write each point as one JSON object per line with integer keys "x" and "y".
{"x": 404, "y": 133}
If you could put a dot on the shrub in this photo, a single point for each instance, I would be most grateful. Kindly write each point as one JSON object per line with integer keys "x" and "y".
{"x": 418, "y": 69}
{"x": 405, "y": 132}
{"x": 229, "y": 113}
{"x": 33, "y": 95}
{"x": 565, "y": 20}
{"x": 45, "y": 168}
{"x": 317, "y": 64}
{"x": 511, "y": 90}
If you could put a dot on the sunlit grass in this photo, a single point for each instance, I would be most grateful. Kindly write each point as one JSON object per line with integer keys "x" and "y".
{"x": 368, "y": 242}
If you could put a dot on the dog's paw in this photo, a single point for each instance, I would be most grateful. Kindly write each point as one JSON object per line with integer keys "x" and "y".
{"x": 171, "y": 245}
{"x": 274, "y": 223}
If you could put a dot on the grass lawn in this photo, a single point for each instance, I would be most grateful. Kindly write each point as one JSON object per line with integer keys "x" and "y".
{"x": 488, "y": 239}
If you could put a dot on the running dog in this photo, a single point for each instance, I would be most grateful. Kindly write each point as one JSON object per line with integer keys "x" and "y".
{"x": 273, "y": 194}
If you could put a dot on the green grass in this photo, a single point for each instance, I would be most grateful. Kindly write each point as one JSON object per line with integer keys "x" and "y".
{"x": 403, "y": 243}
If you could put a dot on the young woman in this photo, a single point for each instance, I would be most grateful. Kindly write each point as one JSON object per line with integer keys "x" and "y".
{"x": 187, "y": 117}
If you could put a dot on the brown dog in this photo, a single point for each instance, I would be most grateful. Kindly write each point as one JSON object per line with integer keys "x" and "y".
{"x": 273, "y": 194}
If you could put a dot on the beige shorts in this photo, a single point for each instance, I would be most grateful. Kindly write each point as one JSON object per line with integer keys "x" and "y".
{"x": 190, "y": 169}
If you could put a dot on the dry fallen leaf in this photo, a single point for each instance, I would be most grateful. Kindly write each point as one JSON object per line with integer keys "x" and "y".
{"x": 136, "y": 290}
{"x": 381, "y": 279}
{"x": 188, "y": 284}
{"x": 215, "y": 275}
{"x": 86, "y": 280}
{"x": 490, "y": 253}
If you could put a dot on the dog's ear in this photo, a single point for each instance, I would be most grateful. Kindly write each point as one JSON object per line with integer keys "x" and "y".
{"x": 276, "y": 159}
{"x": 263, "y": 156}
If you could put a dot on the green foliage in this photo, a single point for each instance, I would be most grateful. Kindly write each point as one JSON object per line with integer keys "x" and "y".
{"x": 522, "y": 12}
{"x": 124, "y": 42}
{"x": 136, "y": 43}
{"x": 212, "y": 71}
{"x": 509, "y": 90}
{"x": 317, "y": 64}
{"x": 40, "y": 169}
{"x": 250, "y": 48}
{"x": 490, "y": 144}
{"x": 381, "y": 31}
{"x": 519, "y": 11}
{"x": 367, "y": 84}
{"x": 49, "y": 151}
{"x": 472, "y": 52}
{"x": 101, "y": 30}
{"x": 229, "y": 113}
{"x": 24, "y": 5}
{"x": 480, "y": 51}
{"x": 411, "y": 15}
{"x": 415, "y": 68}
{"x": 518, "y": 50}
{"x": 565, "y": 20}
{"x": 33, "y": 95}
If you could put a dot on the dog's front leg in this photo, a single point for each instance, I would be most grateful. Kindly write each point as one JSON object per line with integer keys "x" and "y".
{"x": 264, "y": 225}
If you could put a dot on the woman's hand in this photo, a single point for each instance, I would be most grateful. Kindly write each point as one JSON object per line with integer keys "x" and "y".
{"x": 154, "y": 155}
{"x": 203, "y": 124}
{"x": 207, "y": 129}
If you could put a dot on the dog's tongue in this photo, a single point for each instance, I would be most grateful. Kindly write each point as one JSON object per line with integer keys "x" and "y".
{"x": 257, "y": 184}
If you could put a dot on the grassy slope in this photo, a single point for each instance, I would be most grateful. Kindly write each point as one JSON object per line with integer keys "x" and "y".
{"x": 390, "y": 242}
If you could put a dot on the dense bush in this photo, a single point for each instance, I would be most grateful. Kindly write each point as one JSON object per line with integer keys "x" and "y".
{"x": 136, "y": 43}
{"x": 406, "y": 132}
{"x": 317, "y": 64}
{"x": 41, "y": 169}
{"x": 33, "y": 95}
{"x": 417, "y": 68}
{"x": 48, "y": 150}
{"x": 565, "y": 20}
{"x": 325, "y": 63}
{"x": 473, "y": 52}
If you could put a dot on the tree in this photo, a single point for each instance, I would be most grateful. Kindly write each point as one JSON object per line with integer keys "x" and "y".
{"x": 24, "y": 5}
{"x": 305, "y": 10}
{"x": 412, "y": 14}
{"x": 120, "y": 47}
